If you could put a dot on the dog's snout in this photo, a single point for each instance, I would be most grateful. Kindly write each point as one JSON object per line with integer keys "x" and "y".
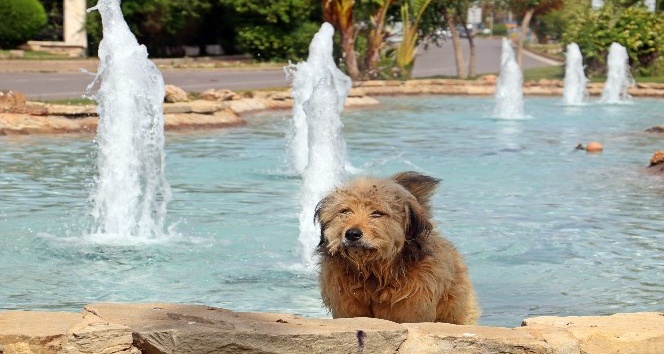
{"x": 353, "y": 234}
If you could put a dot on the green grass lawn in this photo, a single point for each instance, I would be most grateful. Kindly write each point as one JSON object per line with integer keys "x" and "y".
{"x": 72, "y": 101}
{"x": 30, "y": 55}
{"x": 558, "y": 73}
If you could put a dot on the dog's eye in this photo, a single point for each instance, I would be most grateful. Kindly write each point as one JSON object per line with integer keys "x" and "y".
{"x": 377, "y": 214}
{"x": 346, "y": 211}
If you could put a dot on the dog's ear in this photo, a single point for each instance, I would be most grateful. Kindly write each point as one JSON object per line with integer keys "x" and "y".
{"x": 417, "y": 224}
{"x": 419, "y": 185}
{"x": 320, "y": 207}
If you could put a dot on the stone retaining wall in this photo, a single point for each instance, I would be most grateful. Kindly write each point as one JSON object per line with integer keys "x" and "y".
{"x": 183, "y": 329}
{"x": 19, "y": 117}
{"x": 223, "y": 108}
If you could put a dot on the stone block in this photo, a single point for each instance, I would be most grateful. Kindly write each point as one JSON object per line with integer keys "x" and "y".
{"x": 637, "y": 333}
{"x": 174, "y": 94}
{"x": 29, "y": 332}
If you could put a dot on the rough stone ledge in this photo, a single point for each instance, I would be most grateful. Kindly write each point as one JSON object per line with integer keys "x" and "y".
{"x": 20, "y": 117}
{"x": 155, "y": 328}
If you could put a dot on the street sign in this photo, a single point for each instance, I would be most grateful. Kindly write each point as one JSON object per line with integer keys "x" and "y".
{"x": 474, "y": 15}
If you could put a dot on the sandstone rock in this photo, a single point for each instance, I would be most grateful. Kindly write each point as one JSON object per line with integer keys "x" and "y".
{"x": 177, "y": 108}
{"x": 657, "y": 158}
{"x": 361, "y": 101}
{"x": 168, "y": 328}
{"x": 222, "y": 118}
{"x": 172, "y": 328}
{"x": 33, "y": 108}
{"x": 11, "y": 101}
{"x": 432, "y": 338}
{"x": 657, "y": 129}
{"x": 175, "y": 94}
{"x": 218, "y": 95}
{"x": 34, "y": 332}
{"x": 20, "y": 124}
{"x": 488, "y": 79}
{"x": 95, "y": 336}
{"x": 651, "y": 85}
{"x": 205, "y": 107}
{"x": 71, "y": 110}
{"x": 657, "y": 163}
{"x": 246, "y": 105}
{"x": 638, "y": 333}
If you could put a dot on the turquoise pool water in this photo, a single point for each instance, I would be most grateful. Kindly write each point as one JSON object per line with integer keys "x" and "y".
{"x": 545, "y": 229}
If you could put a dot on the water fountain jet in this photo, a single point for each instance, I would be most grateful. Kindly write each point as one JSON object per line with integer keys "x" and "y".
{"x": 574, "y": 92}
{"x": 131, "y": 191}
{"x": 618, "y": 78}
{"x": 509, "y": 88}
{"x": 306, "y": 75}
{"x": 319, "y": 92}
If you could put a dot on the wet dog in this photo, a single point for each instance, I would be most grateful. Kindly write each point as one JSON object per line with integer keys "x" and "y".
{"x": 382, "y": 257}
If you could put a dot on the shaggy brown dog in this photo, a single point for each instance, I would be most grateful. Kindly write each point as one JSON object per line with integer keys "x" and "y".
{"x": 381, "y": 256}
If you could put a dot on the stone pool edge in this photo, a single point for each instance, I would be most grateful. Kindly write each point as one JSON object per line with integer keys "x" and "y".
{"x": 176, "y": 328}
{"x": 224, "y": 108}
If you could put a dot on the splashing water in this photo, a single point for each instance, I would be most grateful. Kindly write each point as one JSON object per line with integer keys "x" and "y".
{"x": 509, "y": 88}
{"x": 574, "y": 92}
{"x": 319, "y": 64}
{"x": 319, "y": 91}
{"x": 619, "y": 78}
{"x": 131, "y": 192}
{"x": 325, "y": 169}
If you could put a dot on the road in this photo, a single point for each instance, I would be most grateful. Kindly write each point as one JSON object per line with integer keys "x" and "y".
{"x": 49, "y": 82}
{"x": 440, "y": 60}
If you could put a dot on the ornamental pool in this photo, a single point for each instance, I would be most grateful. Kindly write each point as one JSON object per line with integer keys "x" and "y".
{"x": 545, "y": 229}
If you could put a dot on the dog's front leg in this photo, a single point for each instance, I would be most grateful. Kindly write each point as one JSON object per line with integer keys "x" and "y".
{"x": 342, "y": 294}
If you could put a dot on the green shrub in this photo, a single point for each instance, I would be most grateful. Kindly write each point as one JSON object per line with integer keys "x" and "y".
{"x": 275, "y": 30}
{"x": 21, "y": 20}
{"x": 638, "y": 30}
{"x": 272, "y": 43}
{"x": 500, "y": 30}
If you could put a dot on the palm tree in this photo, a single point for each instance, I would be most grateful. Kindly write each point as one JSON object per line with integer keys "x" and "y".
{"x": 339, "y": 13}
{"x": 411, "y": 16}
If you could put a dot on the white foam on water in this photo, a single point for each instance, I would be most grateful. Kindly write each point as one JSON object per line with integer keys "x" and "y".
{"x": 131, "y": 192}
{"x": 575, "y": 92}
{"x": 618, "y": 78}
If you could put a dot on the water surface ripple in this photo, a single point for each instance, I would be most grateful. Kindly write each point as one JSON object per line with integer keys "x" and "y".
{"x": 545, "y": 229}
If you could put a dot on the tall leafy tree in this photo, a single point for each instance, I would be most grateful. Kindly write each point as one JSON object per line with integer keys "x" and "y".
{"x": 454, "y": 13}
{"x": 451, "y": 19}
{"x": 376, "y": 36}
{"x": 156, "y": 23}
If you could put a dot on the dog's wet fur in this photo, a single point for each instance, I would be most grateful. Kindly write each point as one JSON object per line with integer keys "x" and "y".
{"x": 382, "y": 257}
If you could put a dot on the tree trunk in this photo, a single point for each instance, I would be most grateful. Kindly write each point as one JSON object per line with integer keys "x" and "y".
{"x": 471, "y": 43}
{"x": 456, "y": 43}
{"x": 471, "y": 60}
{"x": 339, "y": 13}
{"x": 350, "y": 57}
{"x": 525, "y": 23}
{"x": 375, "y": 41}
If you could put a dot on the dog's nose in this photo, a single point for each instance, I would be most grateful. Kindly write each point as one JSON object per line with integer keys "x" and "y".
{"x": 353, "y": 234}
